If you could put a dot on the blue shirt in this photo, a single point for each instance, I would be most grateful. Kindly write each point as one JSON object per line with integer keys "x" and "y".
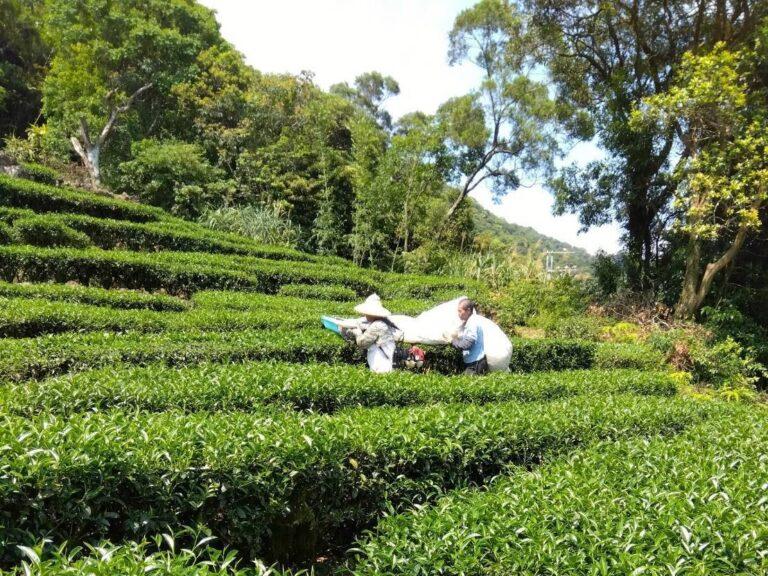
{"x": 470, "y": 340}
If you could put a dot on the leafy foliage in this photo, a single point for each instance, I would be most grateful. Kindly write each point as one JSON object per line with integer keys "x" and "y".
{"x": 642, "y": 505}
{"x": 285, "y": 483}
{"x": 47, "y": 230}
{"x": 172, "y": 175}
{"x": 261, "y": 224}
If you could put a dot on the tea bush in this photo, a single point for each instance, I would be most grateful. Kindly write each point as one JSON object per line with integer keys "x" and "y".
{"x": 319, "y": 387}
{"x": 278, "y": 484}
{"x": 692, "y": 504}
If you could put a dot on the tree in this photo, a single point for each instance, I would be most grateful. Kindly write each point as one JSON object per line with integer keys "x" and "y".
{"x": 220, "y": 106}
{"x": 505, "y": 127}
{"x": 724, "y": 178}
{"x": 370, "y": 91}
{"x": 395, "y": 186}
{"x": 107, "y": 55}
{"x": 23, "y": 58}
{"x": 604, "y": 58}
{"x": 172, "y": 175}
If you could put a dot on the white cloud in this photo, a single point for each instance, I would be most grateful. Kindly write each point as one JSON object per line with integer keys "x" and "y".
{"x": 407, "y": 39}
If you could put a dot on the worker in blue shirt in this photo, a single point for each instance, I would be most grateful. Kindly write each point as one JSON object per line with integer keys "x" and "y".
{"x": 469, "y": 339}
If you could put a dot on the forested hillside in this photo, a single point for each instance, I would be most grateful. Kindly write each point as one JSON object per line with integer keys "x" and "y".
{"x": 492, "y": 232}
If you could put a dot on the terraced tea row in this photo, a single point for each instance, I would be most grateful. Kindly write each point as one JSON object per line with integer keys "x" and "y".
{"x": 696, "y": 504}
{"x": 29, "y": 227}
{"x": 319, "y": 387}
{"x": 18, "y": 193}
{"x": 22, "y": 317}
{"x": 276, "y": 483}
{"x": 110, "y": 222}
{"x": 26, "y": 358}
{"x": 120, "y": 299}
{"x": 183, "y": 273}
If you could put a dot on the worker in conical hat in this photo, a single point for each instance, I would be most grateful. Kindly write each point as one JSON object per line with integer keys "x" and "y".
{"x": 376, "y": 333}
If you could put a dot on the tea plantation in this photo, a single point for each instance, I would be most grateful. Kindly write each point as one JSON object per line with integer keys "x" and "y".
{"x": 171, "y": 405}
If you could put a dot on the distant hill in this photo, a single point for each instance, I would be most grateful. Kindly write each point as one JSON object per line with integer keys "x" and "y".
{"x": 526, "y": 240}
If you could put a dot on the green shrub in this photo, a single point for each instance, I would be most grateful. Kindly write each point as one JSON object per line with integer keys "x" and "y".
{"x": 27, "y": 358}
{"x": 329, "y": 292}
{"x": 182, "y": 272}
{"x": 177, "y": 274}
{"x": 726, "y": 321}
{"x": 258, "y": 223}
{"x": 126, "y": 299}
{"x": 527, "y": 356}
{"x": 638, "y": 356}
{"x": 168, "y": 235}
{"x": 688, "y": 504}
{"x": 608, "y": 271}
{"x": 172, "y": 175}
{"x": 39, "y": 173}
{"x": 278, "y": 484}
{"x": 621, "y": 333}
{"x": 186, "y": 557}
{"x": 48, "y": 231}
{"x": 529, "y": 303}
{"x": 725, "y": 364}
{"x": 19, "y": 193}
{"x": 35, "y": 317}
{"x": 319, "y": 387}
{"x": 574, "y": 327}
{"x": 6, "y": 233}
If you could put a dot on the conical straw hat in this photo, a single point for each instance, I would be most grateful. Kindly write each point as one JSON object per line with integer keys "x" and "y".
{"x": 372, "y": 307}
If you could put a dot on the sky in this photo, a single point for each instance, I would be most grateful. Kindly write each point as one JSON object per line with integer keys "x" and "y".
{"x": 406, "y": 39}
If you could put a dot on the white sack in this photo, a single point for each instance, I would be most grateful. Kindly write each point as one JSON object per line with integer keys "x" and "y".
{"x": 434, "y": 325}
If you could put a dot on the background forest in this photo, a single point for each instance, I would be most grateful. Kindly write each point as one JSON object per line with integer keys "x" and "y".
{"x": 151, "y": 102}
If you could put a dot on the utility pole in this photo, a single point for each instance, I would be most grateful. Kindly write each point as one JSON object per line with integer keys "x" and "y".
{"x": 550, "y": 263}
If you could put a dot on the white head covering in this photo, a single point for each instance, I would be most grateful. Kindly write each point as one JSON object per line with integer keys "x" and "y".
{"x": 372, "y": 307}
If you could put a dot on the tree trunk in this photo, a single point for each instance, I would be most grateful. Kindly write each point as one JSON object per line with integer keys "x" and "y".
{"x": 695, "y": 289}
{"x": 90, "y": 150}
{"x": 90, "y": 155}
{"x": 686, "y": 306}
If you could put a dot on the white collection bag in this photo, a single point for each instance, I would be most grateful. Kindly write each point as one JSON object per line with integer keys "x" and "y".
{"x": 434, "y": 325}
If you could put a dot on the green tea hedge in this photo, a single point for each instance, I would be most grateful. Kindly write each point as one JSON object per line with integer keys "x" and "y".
{"x": 139, "y": 559}
{"x": 317, "y": 387}
{"x": 19, "y": 193}
{"x": 48, "y": 231}
{"x": 22, "y": 318}
{"x": 124, "y": 299}
{"x": 39, "y": 173}
{"x": 6, "y": 234}
{"x": 153, "y": 236}
{"x": 637, "y": 356}
{"x": 278, "y": 484}
{"x": 117, "y": 270}
{"x": 26, "y": 358}
{"x": 328, "y": 292}
{"x": 696, "y": 504}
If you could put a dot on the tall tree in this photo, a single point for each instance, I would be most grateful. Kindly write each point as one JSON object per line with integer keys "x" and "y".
{"x": 605, "y": 57}
{"x": 369, "y": 93}
{"x": 506, "y": 126}
{"x": 107, "y": 55}
{"x": 724, "y": 179}
{"x": 395, "y": 188}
